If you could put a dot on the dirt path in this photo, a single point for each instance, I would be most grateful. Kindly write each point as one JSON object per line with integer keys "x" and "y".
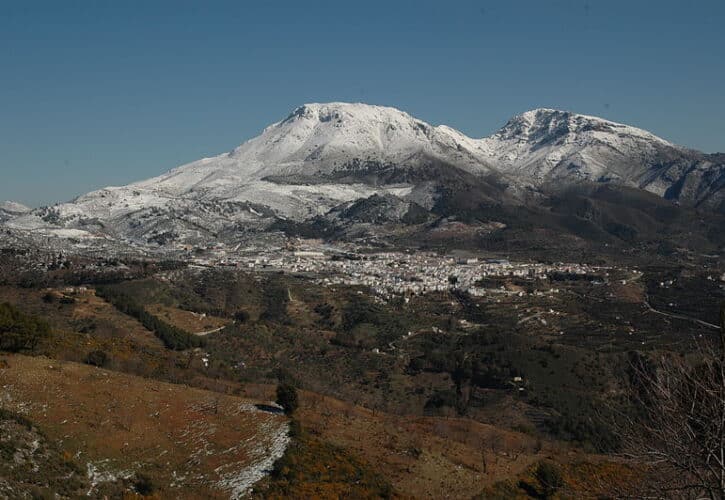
{"x": 208, "y": 332}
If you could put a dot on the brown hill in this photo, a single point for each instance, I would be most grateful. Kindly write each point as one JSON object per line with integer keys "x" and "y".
{"x": 188, "y": 443}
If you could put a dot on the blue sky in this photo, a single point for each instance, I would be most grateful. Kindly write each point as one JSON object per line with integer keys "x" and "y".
{"x": 96, "y": 93}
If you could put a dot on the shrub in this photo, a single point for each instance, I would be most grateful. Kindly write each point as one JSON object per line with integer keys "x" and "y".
{"x": 276, "y": 298}
{"x": 18, "y": 331}
{"x": 143, "y": 484}
{"x": 97, "y": 358}
{"x": 287, "y": 397}
{"x": 440, "y": 399}
{"x": 241, "y": 316}
{"x": 549, "y": 477}
{"x": 312, "y": 468}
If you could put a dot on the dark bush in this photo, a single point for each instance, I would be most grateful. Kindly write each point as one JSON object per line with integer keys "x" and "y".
{"x": 18, "y": 331}
{"x": 287, "y": 398}
{"x": 276, "y": 298}
{"x": 241, "y": 316}
{"x": 549, "y": 477}
{"x": 97, "y": 358}
{"x": 144, "y": 485}
{"x": 442, "y": 398}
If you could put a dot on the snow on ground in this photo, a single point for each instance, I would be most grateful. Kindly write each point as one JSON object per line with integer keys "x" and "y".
{"x": 319, "y": 141}
{"x": 265, "y": 448}
{"x": 13, "y": 207}
{"x": 102, "y": 471}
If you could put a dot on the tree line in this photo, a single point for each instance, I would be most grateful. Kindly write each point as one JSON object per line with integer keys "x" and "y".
{"x": 172, "y": 337}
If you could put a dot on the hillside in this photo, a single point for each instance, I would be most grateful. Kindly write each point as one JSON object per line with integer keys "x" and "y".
{"x": 119, "y": 427}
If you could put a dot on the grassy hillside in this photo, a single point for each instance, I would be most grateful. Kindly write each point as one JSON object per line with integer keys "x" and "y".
{"x": 122, "y": 429}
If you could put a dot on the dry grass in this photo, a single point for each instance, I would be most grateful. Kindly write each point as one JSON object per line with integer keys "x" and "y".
{"x": 424, "y": 457}
{"x": 87, "y": 310}
{"x": 185, "y": 439}
{"x": 186, "y": 320}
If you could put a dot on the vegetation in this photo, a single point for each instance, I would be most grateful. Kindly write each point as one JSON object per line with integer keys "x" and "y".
{"x": 144, "y": 484}
{"x": 20, "y": 332}
{"x": 489, "y": 360}
{"x": 678, "y": 422}
{"x": 549, "y": 478}
{"x": 287, "y": 397}
{"x": 276, "y": 298}
{"x": 312, "y": 468}
{"x": 172, "y": 337}
{"x": 97, "y": 358}
{"x": 31, "y": 466}
{"x": 241, "y": 316}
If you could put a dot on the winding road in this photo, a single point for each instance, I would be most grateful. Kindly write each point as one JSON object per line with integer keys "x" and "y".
{"x": 679, "y": 316}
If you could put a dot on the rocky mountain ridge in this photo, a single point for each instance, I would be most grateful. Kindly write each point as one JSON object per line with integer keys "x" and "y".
{"x": 324, "y": 157}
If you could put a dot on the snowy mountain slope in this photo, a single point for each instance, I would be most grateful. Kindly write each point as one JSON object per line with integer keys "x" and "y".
{"x": 546, "y": 146}
{"x": 317, "y": 140}
{"x": 13, "y": 207}
{"x": 324, "y": 156}
{"x": 261, "y": 179}
{"x": 10, "y": 209}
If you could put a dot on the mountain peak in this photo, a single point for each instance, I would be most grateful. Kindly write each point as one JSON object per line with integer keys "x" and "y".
{"x": 545, "y": 125}
{"x": 326, "y": 154}
{"x": 339, "y": 112}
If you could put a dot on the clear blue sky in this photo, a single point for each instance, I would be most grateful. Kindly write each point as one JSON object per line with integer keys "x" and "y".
{"x": 96, "y": 93}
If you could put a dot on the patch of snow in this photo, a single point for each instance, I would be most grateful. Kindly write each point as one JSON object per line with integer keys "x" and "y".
{"x": 101, "y": 472}
{"x": 14, "y": 207}
{"x": 274, "y": 438}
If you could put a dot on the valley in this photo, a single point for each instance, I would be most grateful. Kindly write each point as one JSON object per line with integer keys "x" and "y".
{"x": 359, "y": 304}
{"x": 462, "y": 372}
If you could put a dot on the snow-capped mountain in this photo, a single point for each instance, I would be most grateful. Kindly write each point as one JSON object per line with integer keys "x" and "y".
{"x": 558, "y": 147}
{"x": 10, "y": 209}
{"x": 13, "y": 207}
{"x": 324, "y": 156}
{"x": 318, "y": 140}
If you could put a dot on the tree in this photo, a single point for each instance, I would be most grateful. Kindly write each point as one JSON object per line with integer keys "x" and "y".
{"x": 144, "y": 484}
{"x": 241, "y": 316}
{"x": 172, "y": 337}
{"x": 287, "y": 397}
{"x": 549, "y": 478}
{"x": 97, "y": 358}
{"x": 678, "y": 424}
{"x": 19, "y": 331}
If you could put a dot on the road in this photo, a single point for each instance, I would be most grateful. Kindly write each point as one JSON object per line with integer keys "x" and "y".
{"x": 201, "y": 334}
{"x": 679, "y": 316}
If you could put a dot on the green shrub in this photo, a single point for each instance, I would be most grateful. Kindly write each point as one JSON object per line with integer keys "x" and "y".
{"x": 312, "y": 468}
{"x": 241, "y": 316}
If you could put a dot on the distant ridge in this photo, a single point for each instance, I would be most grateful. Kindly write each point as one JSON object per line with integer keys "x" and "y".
{"x": 325, "y": 156}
